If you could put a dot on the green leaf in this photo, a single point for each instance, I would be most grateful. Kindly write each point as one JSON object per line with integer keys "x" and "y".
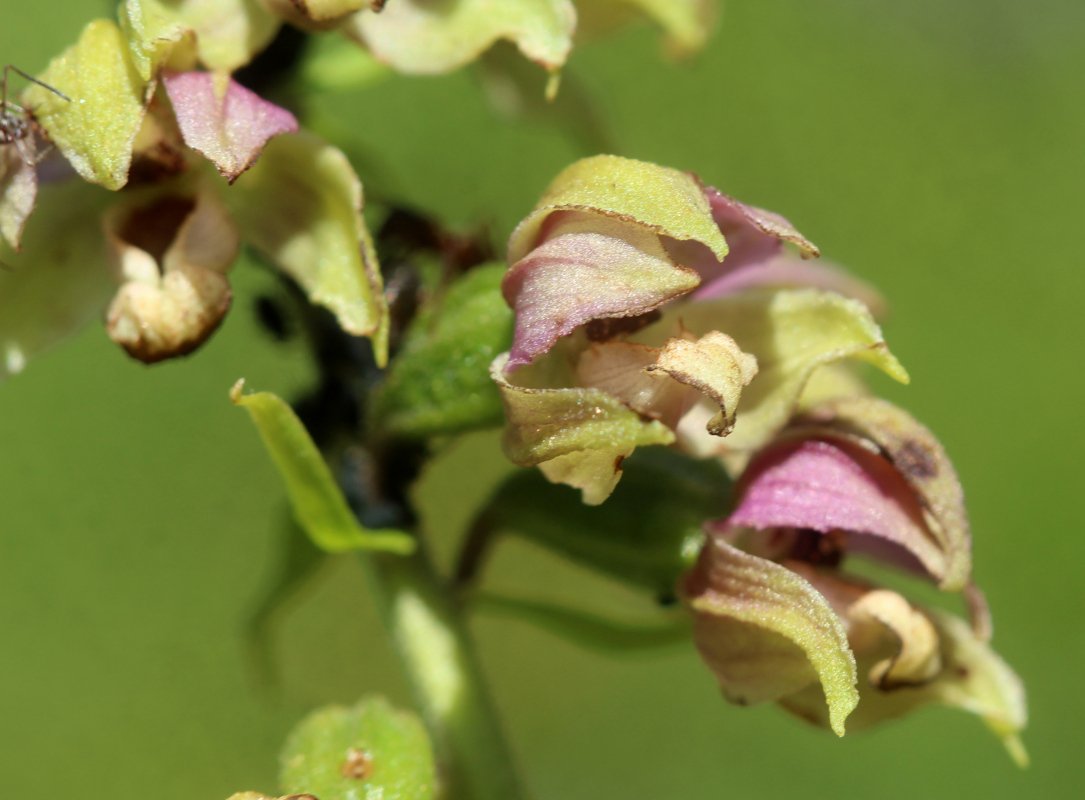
{"x": 439, "y": 383}
{"x": 587, "y": 630}
{"x": 318, "y": 503}
{"x": 301, "y": 205}
{"x": 57, "y": 283}
{"x": 647, "y": 536}
{"x": 96, "y": 128}
{"x": 370, "y": 751}
{"x": 659, "y": 199}
{"x": 434, "y": 36}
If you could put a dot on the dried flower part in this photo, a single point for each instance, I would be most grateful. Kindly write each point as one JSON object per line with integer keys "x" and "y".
{"x": 880, "y": 614}
{"x": 576, "y": 436}
{"x": 301, "y": 206}
{"x": 172, "y": 254}
{"x": 96, "y": 128}
{"x": 591, "y": 267}
{"x": 766, "y": 633}
{"x": 228, "y": 33}
{"x": 663, "y": 383}
{"x": 919, "y": 458}
{"x": 223, "y": 120}
{"x": 159, "y": 151}
{"x": 829, "y": 484}
{"x": 685, "y": 23}
{"x": 435, "y": 36}
{"x": 57, "y": 283}
{"x": 18, "y": 192}
{"x": 906, "y": 669}
{"x": 791, "y": 333}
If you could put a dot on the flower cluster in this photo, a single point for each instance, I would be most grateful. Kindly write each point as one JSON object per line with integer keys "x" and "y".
{"x": 654, "y": 310}
{"x": 143, "y": 104}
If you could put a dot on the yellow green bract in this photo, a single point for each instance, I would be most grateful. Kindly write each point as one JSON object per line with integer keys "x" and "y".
{"x": 95, "y": 130}
{"x": 318, "y": 503}
{"x": 665, "y": 201}
{"x": 433, "y": 36}
{"x": 301, "y": 206}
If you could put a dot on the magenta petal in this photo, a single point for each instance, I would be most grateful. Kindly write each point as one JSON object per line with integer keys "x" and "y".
{"x": 837, "y": 486}
{"x": 226, "y": 122}
{"x": 784, "y": 270}
{"x": 591, "y": 268}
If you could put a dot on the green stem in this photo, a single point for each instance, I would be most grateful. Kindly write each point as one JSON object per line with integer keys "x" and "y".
{"x": 433, "y": 644}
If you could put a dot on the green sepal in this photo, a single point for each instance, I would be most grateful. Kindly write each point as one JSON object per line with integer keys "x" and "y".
{"x": 318, "y": 503}
{"x": 368, "y": 751}
{"x": 301, "y": 206}
{"x": 439, "y": 382}
{"x": 95, "y": 124}
{"x": 646, "y": 536}
{"x": 56, "y": 284}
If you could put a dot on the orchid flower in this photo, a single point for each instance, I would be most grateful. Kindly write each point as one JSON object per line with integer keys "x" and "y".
{"x": 605, "y": 357}
{"x": 652, "y": 309}
{"x": 163, "y": 248}
{"x": 776, "y": 616}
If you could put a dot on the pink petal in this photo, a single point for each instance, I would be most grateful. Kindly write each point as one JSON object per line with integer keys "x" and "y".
{"x": 783, "y": 270}
{"x": 593, "y": 267}
{"x": 838, "y": 486}
{"x": 230, "y": 127}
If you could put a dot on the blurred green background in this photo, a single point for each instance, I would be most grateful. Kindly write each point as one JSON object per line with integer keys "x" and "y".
{"x": 934, "y": 147}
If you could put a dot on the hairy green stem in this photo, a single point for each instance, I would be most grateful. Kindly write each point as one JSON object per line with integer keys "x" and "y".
{"x": 433, "y": 644}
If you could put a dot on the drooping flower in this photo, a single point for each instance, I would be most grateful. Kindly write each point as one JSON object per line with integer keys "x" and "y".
{"x": 777, "y": 617}
{"x": 604, "y": 360}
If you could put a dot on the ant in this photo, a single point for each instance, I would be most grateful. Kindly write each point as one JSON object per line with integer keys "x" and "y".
{"x": 16, "y": 122}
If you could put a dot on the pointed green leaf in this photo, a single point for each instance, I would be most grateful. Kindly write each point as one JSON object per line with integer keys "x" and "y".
{"x": 96, "y": 128}
{"x": 439, "y": 382}
{"x": 57, "y": 283}
{"x": 365, "y": 752}
{"x": 318, "y": 503}
{"x": 433, "y": 36}
{"x": 791, "y": 332}
{"x": 659, "y": 199}
{"x": 301, "y": 206}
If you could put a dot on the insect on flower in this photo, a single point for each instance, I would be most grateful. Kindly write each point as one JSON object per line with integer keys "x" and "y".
{"x": 16, "y": 122}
